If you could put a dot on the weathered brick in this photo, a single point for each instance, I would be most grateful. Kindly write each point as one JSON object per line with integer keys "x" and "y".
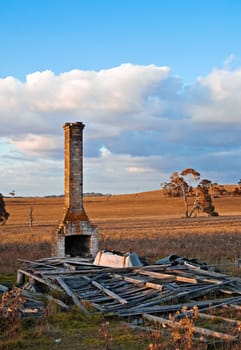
{"x": 82, "y": 234}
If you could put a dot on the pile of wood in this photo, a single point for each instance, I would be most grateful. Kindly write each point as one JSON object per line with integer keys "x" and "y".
{"x": 151, "y": 292}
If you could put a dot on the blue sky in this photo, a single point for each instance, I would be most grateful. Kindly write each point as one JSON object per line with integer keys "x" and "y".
{"x": 157, "y": 84}
{"x": 190, "y": 36}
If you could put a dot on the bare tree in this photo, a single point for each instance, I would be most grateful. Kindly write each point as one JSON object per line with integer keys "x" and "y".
{"x": 191, "y": 176}
{"x": 182, "y": 183}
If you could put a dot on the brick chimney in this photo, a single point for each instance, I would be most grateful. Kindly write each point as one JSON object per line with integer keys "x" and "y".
{"x": 76, "y": 235}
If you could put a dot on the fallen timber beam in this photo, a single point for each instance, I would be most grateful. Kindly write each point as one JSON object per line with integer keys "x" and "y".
{"x": 36, "y": 263}
{"x": 230, "y": 292}
{"x": 39, "y": 279}
{"x": 235, "y": 307}
{"x": 138, "y": 281}
{"x": 186, "y": 279}
{"x": 193, "y": 273}
{"x": 107, "y": 291}
{"x": 38, "y": 297}
{"x": 199, "y": 330}
{"x": 167, "y": 277}
{"x": 219, "y": 318}
{"x": 141, "y": 297}
{"x": 157, "y": 275}
{"x": 197, "y": 292}
{"x": 201, "y": 271}
{"x": 157, "y": 331}
{"x": 222, "y": 303}
{"x": 72, "y": 295}
{"x": 95, "y": 270}
{"x": 156, "y": 267}
{"x": 155, "y": 307}
{"x": 57, "y": 301}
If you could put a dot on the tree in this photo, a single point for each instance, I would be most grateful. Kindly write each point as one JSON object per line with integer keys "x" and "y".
{"x": 217, "y": 190}
{"x": 181, "y": 185}
{"x": 203, "y": 200}
{"x": 171, "y": 190}
{"x": 191, "y": 175}
{"x": 184, "y": 186}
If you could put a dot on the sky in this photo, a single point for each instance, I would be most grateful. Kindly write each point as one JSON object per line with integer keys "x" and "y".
{"x": 157, "y": 84}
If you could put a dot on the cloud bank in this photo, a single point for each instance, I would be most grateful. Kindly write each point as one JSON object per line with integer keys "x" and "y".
{"x": 142, "y": 123}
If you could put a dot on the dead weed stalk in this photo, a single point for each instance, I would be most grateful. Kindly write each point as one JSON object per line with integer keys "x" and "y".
{"x": 182, "y": 331}
{"x": 10, "y": 311}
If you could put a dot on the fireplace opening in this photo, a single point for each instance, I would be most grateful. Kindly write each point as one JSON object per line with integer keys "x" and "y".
{"x": 77, "y": 245}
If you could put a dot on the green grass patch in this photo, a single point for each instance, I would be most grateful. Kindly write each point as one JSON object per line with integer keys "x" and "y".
{"x": 7, "y": 278}
{"x": 72, "y": 330}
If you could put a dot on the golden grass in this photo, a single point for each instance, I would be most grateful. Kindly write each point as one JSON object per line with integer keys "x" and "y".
{"x": 150, "y": 224}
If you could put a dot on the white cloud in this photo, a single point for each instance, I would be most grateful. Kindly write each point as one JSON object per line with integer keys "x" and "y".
{"x": 149, "y": 123}
{"x": 36, "y": 145}
{"x": 122, "y": 173}
{"x": 224, "y": 103}
{"x": 136, "y": 170}
{"x": 104, "y": 152}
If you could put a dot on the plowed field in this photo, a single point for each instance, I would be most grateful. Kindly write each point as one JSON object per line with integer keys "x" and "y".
{"x": 148, "y": 223}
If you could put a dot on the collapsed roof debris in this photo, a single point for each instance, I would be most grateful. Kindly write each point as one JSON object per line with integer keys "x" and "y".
{"x": 151, "y": 292}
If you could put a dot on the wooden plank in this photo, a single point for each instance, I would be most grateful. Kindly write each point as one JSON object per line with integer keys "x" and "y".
{"x": 138, "y": 298}
{"x": 154, "y": 286}
{"x": 36, "y": 264}
{"x": 198, "y": 269}
{"x": 157, "y": 331}
{"x": 191, "y": 280}
{"x": 41, "y": 280}
{"x": 219, "y": 318}
{"x": 72, "y": 295}
{"x": 155, "y": 307}
{"x": 157, "y": 275}
{"x": 109, "y": 292}
{"x": 222, "y": 303}
{"x": 138, "y": 281}
{"x": 156, "y": 267}
{"x": 105, "y": 290}
{"x": 235, "y": 307}
{"x": 57, "y": 301}
{"x": 3, "y": 288}
{"x": 197, "y": 292}
{"x": 199, "y": 330}
{"x": 38, "y": 298}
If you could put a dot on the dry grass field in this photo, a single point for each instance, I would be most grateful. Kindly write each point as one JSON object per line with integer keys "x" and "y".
{"x": 148, "y": 223}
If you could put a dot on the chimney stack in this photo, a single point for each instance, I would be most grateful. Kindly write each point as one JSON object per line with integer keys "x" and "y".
{"x": 76, "y": 235}
{"x": 73, "y": 169}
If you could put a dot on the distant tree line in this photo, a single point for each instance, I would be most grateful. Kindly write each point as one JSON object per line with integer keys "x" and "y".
{"x": 199, "y": 198}
{"x": 170, "y": 189}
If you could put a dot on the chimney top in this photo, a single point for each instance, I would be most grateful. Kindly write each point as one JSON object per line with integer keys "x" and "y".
{"x": 78, "y": 124}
